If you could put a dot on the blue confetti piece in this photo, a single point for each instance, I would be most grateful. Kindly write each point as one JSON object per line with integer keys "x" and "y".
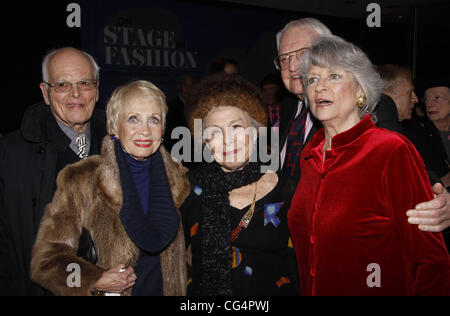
{"x": 270, "y": 214}
{"x": 248, "y": 271}
{"x": 198, "y": 190}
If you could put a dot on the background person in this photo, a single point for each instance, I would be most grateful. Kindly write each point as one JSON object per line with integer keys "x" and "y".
{"x": 272, "y": 92}
{"x": 434, "y": 133}
{"x": 175, "y": 115}
{"x": 176, "y": 118}
{"x": 437, "y": 102}
{"x": 224, "y": 65}
{"x": 399, "y": 86}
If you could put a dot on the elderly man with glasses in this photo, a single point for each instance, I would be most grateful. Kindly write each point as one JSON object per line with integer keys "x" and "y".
{"x": 297, "y": 126}
{"x": 61, "y": 131}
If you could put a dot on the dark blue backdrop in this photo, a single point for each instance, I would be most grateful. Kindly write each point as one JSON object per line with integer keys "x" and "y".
{"x": 160, "y": 40}
{"x": 198, "y": 31}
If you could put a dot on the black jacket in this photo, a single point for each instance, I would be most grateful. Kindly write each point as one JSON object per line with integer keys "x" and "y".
{"x": 422, "y": 136}
{"x": 426, "y": 137}
{"x": 28, "y": 170}
{"x": 387, "y": 115}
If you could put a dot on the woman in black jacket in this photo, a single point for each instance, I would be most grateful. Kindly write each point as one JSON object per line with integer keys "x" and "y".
{"x": 235, "y": 218}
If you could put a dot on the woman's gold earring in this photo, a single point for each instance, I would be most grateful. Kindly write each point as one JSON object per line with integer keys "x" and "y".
{"x": 361, "y": 101}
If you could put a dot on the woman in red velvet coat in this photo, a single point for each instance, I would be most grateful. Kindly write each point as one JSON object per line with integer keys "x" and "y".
{"x": 348, "y": 217}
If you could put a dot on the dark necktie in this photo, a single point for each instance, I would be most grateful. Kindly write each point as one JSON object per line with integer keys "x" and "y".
{"x": 295, "y": 143}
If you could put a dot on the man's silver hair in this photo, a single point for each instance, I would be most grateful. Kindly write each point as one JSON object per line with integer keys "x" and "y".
{"x": 49, "y": 55}
{"x": 333, "y": 52}
{"x": 310, "y": 23}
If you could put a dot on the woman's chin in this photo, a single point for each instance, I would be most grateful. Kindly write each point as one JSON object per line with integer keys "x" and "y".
{"x": 232, "y": 166}
{"x": 322, "y": 114}
{"x": 142, "y": 154}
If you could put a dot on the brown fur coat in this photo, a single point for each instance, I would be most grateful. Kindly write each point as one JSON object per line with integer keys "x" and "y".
{"x": 89, "y": 195}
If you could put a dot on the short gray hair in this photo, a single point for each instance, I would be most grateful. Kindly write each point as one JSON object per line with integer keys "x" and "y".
{"x": 50, "y": 54}
{"x": 334, "y": 52}
{"x": 310, "y": 23}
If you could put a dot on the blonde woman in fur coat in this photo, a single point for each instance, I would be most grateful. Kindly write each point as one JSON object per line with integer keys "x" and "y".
{"x": 127, "y": 200}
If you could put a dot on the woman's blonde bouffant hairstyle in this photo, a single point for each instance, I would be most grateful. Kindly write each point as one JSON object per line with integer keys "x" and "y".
{"x": 125, "y": 94}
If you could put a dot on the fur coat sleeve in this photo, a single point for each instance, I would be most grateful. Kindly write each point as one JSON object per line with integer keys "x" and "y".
{"x": 55, "y": 250}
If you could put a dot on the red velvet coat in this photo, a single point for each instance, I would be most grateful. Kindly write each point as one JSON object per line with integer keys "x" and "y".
{"x": 350, "y": 212}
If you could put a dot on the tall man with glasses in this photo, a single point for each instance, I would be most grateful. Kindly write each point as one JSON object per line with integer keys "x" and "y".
{"x": 297, "y": 127}
{"x": 61, "y": 131}
{"x": 296, "y": 124}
